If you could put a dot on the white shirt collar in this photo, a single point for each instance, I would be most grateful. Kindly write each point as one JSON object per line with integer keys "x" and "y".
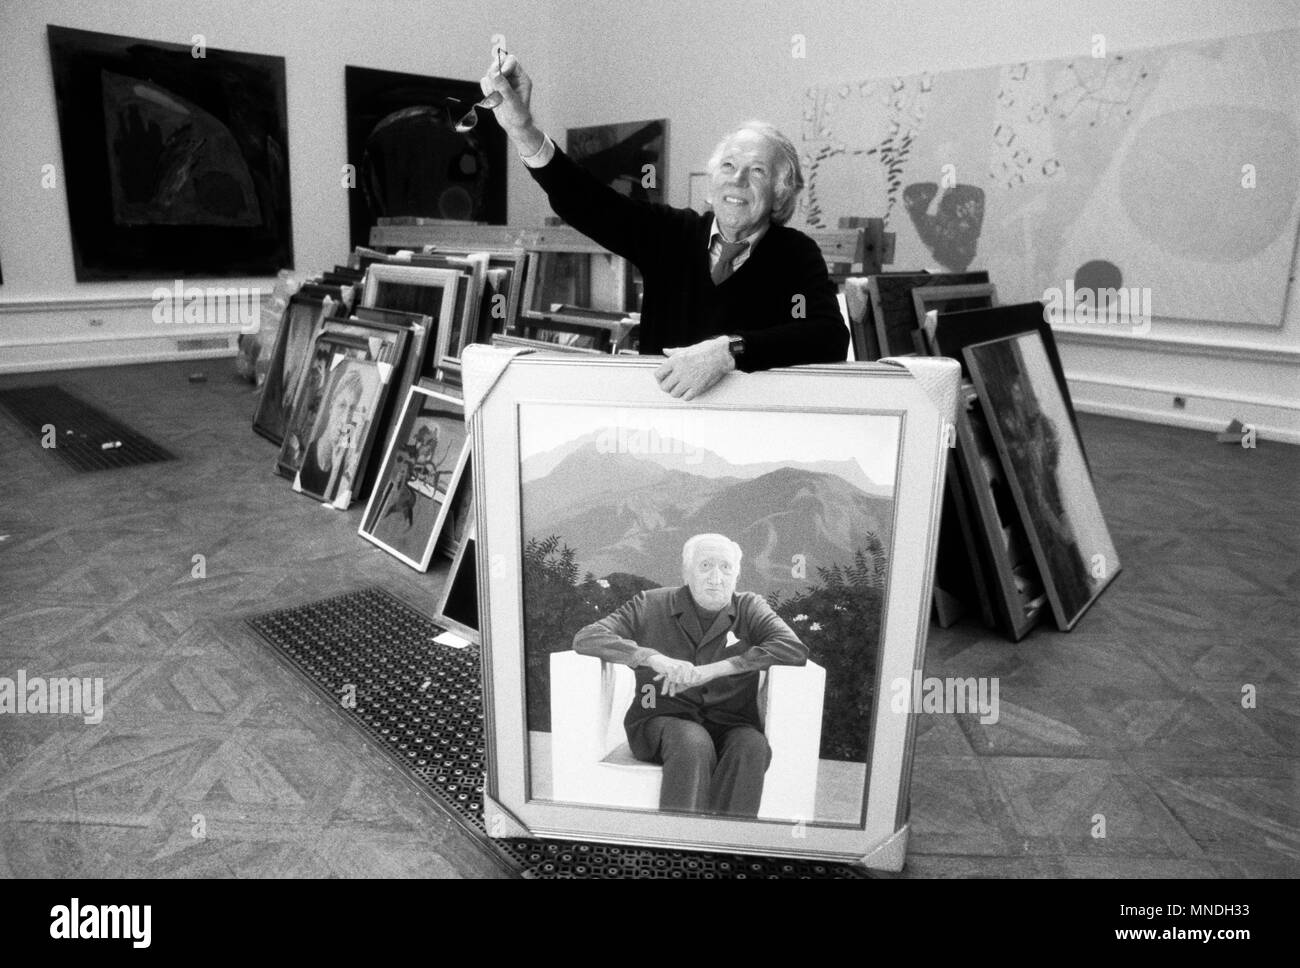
{"x": 753, "y": 238}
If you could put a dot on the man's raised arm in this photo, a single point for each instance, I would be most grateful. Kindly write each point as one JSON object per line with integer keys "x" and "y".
{"x": 594, "y": 209}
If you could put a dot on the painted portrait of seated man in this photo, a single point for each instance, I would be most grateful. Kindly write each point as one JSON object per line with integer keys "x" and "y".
{"x": 697, "y": 651}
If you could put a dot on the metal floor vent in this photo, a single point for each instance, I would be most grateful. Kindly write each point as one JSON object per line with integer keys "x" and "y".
{"x": 373, "y": 658}
{"x": 83, "y": 435}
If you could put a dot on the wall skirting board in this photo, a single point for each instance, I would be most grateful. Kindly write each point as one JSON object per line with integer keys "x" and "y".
{"x": 72, "y": 333}
{"x": 1185, "y": 382}
{"x": 1220, "y": 350}
{"x": 1272, "y": 419}
{"x": 1121, "y": 375}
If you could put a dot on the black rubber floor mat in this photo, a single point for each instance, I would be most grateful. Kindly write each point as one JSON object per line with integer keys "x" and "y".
{"x": 421, "y": 703}
{"x": 83, "y": 435}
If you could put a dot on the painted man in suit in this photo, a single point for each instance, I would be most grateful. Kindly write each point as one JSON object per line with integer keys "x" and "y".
{"x": 697, "y": 651}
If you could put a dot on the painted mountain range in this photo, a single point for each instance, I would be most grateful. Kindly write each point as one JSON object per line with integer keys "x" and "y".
{"x": 625, "y": 512}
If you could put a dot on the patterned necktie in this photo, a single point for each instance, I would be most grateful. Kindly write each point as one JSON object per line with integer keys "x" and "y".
{"x": 730, "y": 250}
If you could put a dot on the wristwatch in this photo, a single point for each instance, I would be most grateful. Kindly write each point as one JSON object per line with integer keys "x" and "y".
{"x": 736, "y": 345}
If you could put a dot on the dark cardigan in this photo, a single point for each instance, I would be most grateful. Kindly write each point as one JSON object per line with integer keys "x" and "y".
{"x": 681, "y": 305}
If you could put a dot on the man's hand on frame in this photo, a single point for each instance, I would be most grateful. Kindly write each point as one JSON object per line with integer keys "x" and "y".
{"x": 691, "y": 371}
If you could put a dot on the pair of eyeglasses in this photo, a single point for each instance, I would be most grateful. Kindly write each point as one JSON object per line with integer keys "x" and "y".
{"x": 470, "y": 119}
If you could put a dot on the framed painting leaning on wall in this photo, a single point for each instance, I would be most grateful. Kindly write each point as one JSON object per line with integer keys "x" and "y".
{"x": 425, "y": 460}
{"x": 1044, "y": 464}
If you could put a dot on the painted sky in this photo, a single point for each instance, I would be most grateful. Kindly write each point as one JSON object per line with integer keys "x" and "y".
{"x": 738, "y": 436}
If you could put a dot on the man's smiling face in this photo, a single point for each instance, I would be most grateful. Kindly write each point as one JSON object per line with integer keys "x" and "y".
{"x": 743, "y": 187}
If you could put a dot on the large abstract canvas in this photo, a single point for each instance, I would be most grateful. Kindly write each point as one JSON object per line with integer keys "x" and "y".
{"x": 175, "y": 158}
{"x": 1138, "y": 169}
{"x": 408, "y": 158}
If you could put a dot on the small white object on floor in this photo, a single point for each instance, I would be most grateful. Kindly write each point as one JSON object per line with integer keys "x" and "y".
{"x": 451, "y": 639}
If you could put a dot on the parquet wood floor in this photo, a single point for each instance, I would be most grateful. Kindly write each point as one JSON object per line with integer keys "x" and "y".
{"x": 1135, "y": 716}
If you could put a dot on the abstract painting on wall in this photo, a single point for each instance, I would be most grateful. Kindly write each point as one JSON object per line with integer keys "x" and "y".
{"x": 1135, "y": 171}
{"x": 176, "y": 158}
{"x": 408, "y": 158}
{"x": 629, "y": 158}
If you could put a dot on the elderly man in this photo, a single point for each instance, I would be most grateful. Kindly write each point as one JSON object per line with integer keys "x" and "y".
{"x": 697, "y": 651}
{"x": 736, "y": 289}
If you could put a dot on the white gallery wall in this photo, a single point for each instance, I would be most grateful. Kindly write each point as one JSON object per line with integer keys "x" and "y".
{"x": 707, "y": 66}
{"x": 49, "y": 320}
{"x": 704, "y": 65}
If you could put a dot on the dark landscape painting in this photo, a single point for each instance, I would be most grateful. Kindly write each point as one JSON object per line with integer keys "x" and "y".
{"x": 408, "y": 158}
{"x": 894, "y": 313}
{"x": 617, "y": 154}
{"x": 175, "y": 164}
{"x": 609, "y": 499}
{"x": 1042, "y": 458}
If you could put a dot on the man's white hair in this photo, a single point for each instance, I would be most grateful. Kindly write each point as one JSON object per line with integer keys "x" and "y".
{"x": 688, "y": 549}
{"x": 789, "y": 174}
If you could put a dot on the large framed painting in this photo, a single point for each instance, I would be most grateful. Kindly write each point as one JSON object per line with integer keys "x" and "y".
{"x": 629, "y": 157}
{"x": 502, "y": 286}
{"x": 894, "y": 314}
{"x": 299, "y": 323}
{"x": 948, "y": 299}
{"x": 568, "y": 285}
{"x": 341, "y": 437}
{"x": 1044, "y": 463}
{"x": 390, "y": 344}
{"x": 417, "y": 289}
{"x": 1015, "y": 586}
{"x": 326, "y": 351}
{"x": 752, "y": 573}
{"x": 408, "y": 157}
{"x": 947, "y": 333}
{"x": 419, "y": 327}
{"x": 175, "y": 165}
{"x": 427, "y": 455}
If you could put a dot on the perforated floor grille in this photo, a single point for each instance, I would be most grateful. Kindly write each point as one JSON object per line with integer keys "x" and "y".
{"x": 421, "y": 704}
{"x": 84, "y": 436}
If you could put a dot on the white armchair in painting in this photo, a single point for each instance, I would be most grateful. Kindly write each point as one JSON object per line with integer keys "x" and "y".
{"x": 591, "y": 762}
